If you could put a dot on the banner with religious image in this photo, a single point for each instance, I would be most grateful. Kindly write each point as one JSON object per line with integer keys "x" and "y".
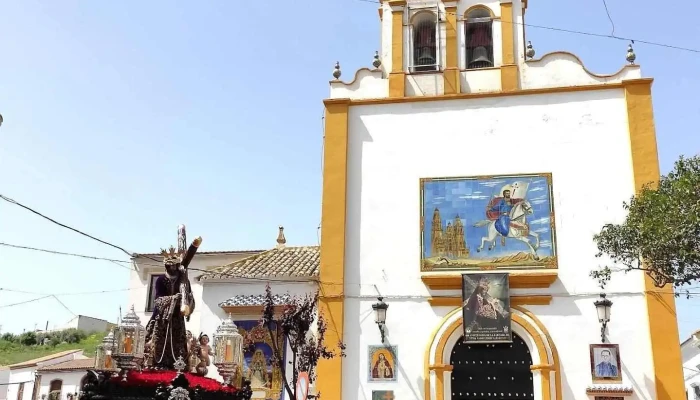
{"x": 486, "y": 308}
{"x": 258, "y": 366}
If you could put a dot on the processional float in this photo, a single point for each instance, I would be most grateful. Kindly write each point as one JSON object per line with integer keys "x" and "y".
{"x": 162, "y": 360}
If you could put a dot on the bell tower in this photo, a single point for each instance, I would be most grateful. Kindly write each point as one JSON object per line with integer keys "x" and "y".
{"x": 452, "y": 46}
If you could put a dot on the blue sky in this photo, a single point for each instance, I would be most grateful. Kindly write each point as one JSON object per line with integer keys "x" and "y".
{"x": 125, "y": 119}
{"x": 469, "y": 198}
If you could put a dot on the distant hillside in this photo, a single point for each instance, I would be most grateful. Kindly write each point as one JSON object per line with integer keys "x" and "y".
{"x": 13, "y": 351}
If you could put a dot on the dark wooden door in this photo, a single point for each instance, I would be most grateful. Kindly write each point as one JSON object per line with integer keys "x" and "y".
{"x": 498, "y": 371}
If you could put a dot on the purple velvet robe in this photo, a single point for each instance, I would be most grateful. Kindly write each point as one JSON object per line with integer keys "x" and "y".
{"x": 166, "y": 336}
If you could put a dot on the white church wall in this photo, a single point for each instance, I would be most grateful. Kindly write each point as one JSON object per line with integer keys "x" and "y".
{"x": 580, "y": 137}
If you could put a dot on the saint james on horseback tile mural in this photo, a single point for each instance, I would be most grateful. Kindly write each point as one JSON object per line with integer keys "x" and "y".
{"x": 463, "y": 218}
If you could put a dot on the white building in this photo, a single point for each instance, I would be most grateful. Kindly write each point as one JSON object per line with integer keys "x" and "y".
{"x": 690, "y": 350}
{"x": 64, "y": 378}
{"x": 454, "y": 105}
{"x": 28, "y": 380}
{"x": 87, "y": 324}
{"x": 235, "y": 284}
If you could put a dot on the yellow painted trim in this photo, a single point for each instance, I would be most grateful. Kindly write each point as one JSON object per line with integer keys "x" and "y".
{"x": 552, "y": 346}
{"x": 332, "y": 265}
{"x": 528, "y": 279}
{"x": 539, "y": 343}
{"x": 522, "y": 92}
{"x": 451, "y": 50}
{"x": 508, "y": 45}
{"x": 456, "y": 301}
{"x": 397, "y": 79}
{"x": 661, "y": 305}
{"x": 509, "y": 71}
{"x": 509, "y": 78}
{"x": 426, "y": 363}
{"x": 451, "y": 74}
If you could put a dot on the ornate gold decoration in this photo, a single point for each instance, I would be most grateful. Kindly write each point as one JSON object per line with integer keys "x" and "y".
{"x": 261, "y": 335}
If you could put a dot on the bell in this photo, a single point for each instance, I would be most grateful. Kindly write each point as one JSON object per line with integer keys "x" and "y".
{"x": 426, "y": 58}
{"x": 479, "y": 56}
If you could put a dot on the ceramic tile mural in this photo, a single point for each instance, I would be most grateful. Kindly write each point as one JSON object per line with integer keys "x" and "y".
{"x": 487, "y": 222}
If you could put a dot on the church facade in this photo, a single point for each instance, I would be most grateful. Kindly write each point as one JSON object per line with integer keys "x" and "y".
{"x": 464, "y": 180}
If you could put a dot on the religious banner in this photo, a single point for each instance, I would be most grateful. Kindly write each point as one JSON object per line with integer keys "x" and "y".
{"x": 486, "y": 308}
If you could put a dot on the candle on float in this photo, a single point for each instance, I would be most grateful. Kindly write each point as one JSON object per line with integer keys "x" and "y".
{"x": 127, "y": 344}
{"x": 229, "y": 351}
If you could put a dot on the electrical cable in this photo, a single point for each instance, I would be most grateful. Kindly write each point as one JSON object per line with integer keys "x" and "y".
{"x": 583, "y": 33}
{"x": 605, "y": 4}
{"x": 11, "y": 201}
{"x": 24, "y": 302}
{"x": 67, "y": 254}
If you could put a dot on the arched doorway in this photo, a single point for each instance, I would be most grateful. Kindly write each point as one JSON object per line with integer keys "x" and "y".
{"x": 498, "y": 371}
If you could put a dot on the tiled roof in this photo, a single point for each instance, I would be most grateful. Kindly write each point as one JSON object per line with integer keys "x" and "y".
{"x": 85, "y": 363}
{"x": 206, "y": 252}
{"x": 279, "y": 262}
{"x": 243, "y": 300}
{"x": 31, "y": 363}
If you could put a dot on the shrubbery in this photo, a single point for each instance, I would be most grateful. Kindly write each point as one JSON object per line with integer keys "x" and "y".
{"x": 45, "y": 338}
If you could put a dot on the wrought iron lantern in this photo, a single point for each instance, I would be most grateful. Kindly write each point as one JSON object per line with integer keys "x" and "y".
{"x": 228, "y": 350}
{"x": 603, "y": 307}
{"x": 380, "y": 315}
{"x": 103, "y": 355}
{"x": 129, "y": 343}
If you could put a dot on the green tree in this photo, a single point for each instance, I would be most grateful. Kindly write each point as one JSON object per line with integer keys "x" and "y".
{"x": 28, "y": 338}
{"x": 661, "y": 233}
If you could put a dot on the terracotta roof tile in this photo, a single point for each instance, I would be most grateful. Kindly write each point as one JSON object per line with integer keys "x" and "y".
{"x": 243, "y": 300}
{"x": 279, "y": 262}
{"x": 223, "y": 252}
{"x": 85, "y": 363}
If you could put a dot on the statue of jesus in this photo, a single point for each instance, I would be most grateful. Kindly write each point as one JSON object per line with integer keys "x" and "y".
{"x": 166, "y": 336}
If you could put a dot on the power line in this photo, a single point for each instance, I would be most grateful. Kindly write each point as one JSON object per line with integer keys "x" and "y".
{"x": 67, "y": 254}
{"x": 610, "y": 18}
{"x": 611, "y": 36}
{"x": 11, "y": 201}
{"x": 25, "y": 302}
{"x": 72, "y": 293}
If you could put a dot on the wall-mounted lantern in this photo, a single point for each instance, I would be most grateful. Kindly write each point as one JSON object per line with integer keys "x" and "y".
{"x": 603, "y": 307}
{"x": 380, "y": 315}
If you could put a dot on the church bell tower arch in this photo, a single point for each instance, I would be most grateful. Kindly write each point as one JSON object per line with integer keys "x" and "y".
{"x": 546, "y": 376}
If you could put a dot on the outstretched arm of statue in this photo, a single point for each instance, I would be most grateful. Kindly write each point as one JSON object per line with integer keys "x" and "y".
{"x": 189, "y": 255}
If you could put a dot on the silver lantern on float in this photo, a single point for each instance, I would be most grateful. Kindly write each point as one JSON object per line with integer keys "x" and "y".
{"x": 103, "y": 354}
{"x": 228, "y": 350}
{"x": 129, "y": 343}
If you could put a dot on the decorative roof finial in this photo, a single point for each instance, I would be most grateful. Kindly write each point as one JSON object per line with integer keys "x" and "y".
{"x": 377, "y": 62}
{"x": 281, "y": 240}
{"x": 530, "y": 52}
{"x": 336, "y": 71}
{"x": 630, "y": 54}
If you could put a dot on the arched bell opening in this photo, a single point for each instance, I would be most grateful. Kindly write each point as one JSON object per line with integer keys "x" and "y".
{"x": 491, "y": 371}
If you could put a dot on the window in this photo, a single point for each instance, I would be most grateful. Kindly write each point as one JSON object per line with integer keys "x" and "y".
{"x": 55, "y": 389}
{"x": 479, "y": 38}
{"x": 425, "y": 43}
{"x": 150, "y": 302}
